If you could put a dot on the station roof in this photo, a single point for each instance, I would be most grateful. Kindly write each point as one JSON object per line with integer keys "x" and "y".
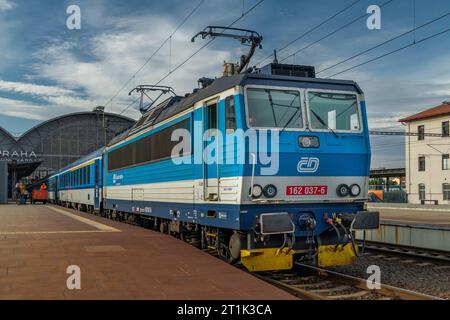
{"x": 440, "y": 110}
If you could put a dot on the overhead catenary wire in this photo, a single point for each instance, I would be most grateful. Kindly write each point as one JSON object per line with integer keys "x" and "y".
{"x": 169, "y": 38}
{"x": 200, "y": 49}
{"x": 310, "y": 30}
{"x": 413, "y": 30}
{"x": 333, "y": 32}
{"x": 391, "y": 52}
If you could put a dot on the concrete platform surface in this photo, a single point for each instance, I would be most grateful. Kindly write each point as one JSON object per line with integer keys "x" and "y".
{"x": 117, "y": 261}
{"x": 416, "y": 217}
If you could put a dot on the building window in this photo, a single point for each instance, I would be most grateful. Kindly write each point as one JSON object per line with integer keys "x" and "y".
{"x": 445, "y": 160}
{"x": 445, "y": 129}
{"x": 422, "y": 163}
{"x": 446, "y": 191}
{"x": 421, "y": 191}
{"x": 421, "y": 132}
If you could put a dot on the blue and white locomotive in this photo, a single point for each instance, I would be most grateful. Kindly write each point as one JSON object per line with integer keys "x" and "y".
{"x": 302, "y": 199}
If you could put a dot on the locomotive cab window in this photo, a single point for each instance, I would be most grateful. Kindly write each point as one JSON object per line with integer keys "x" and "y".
{"x": 274, "y": 108}
{"x": 335, "y": 111}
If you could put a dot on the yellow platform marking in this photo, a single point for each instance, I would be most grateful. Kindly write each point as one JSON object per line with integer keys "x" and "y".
{"x": 97, "y": 225}
{"x": 12, "y": 233}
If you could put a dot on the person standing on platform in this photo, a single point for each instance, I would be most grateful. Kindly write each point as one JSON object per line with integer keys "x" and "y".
{"x": 22, "y": 190}
{"x": 17, "y": 192}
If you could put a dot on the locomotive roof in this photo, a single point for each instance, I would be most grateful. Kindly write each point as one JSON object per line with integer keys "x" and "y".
{"x": 177, "y": 104}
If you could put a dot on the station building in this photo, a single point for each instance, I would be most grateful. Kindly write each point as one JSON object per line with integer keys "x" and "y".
{"x": 427, "y": 155}
{"x": 56, "y": 143}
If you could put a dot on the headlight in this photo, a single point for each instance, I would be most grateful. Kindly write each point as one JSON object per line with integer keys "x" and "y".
{"x": 270, "y": 191}
{"x": 342, "y": 190}
{"x": 355, "y": 190}
{"x": 257, "y": 191}
{"x": 309, "y": 142}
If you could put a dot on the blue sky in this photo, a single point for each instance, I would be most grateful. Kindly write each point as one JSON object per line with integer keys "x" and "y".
{"x": 47, "y": 70}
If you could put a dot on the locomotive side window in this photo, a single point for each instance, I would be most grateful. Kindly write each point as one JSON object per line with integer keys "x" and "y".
{"x": 211, "y": 116}
{"x": 230, "y": 115}
{"x": 270, "y": 108}
{"x": 336, "y": 111}
{"x": 155, "y": 147}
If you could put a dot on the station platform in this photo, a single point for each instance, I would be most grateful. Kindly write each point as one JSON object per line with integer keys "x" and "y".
{"x": 413, "y": 215}
{"x": 117, "y": 261}
{"x": 426, "y": 227}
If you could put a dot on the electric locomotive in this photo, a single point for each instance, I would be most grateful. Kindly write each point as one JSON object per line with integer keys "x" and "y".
{"x": 290, "y": 169}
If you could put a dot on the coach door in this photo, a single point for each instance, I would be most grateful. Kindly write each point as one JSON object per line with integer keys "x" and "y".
{"x": 210, "y": 147}
{"x": 55, "y": 187}
{"x": 97, "y": 185}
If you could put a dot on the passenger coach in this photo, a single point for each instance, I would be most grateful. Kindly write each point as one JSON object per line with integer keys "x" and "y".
{"x": 79, "y": 185}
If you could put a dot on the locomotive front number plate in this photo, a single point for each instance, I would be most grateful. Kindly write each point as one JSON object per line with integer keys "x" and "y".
{"x": 306, "y": 190}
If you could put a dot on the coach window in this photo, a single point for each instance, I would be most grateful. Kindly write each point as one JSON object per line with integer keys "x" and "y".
{"x": 421, "y": 132}
{"x": 89, "y": 175}
{"x": 96, "y": 174}
{"x": 421, "y": 163}
{"x": 446, "y": 191}
{"x": 230, "y": 115}
{"x": 421, "y": 191}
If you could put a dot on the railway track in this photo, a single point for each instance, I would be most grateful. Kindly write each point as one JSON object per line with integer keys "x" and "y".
{"x": 322, "y": 284}
{"x": 398, "y": 250}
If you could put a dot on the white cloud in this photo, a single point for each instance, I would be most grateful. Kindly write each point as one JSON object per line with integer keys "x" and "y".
{"x": 23, "y": 109}
{"x": 117, "y": 54}
{"x": 33, "y": 89}
{"x": 53, "y": 100}
{"x": 6, "y": 5}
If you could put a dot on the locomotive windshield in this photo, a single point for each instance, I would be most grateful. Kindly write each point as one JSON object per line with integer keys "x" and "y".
{"x": 270, "y": 108}
{"x": 334, "y": 111}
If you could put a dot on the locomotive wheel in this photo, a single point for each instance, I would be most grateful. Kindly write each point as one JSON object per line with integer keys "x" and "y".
{"x": 235, "y": 245}
{"x": 224, "y": 253}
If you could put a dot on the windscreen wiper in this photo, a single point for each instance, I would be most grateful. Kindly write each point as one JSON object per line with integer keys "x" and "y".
{"x": 323, "y": 123}
{"x": 269, "y": 94}
{"x": 289, "y": 121}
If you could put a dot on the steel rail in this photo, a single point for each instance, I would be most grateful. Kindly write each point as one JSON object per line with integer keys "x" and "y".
{"x": 340, "y": 284}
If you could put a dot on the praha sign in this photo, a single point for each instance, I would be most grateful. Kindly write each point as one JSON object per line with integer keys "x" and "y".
{"x": 19, "y": 156}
